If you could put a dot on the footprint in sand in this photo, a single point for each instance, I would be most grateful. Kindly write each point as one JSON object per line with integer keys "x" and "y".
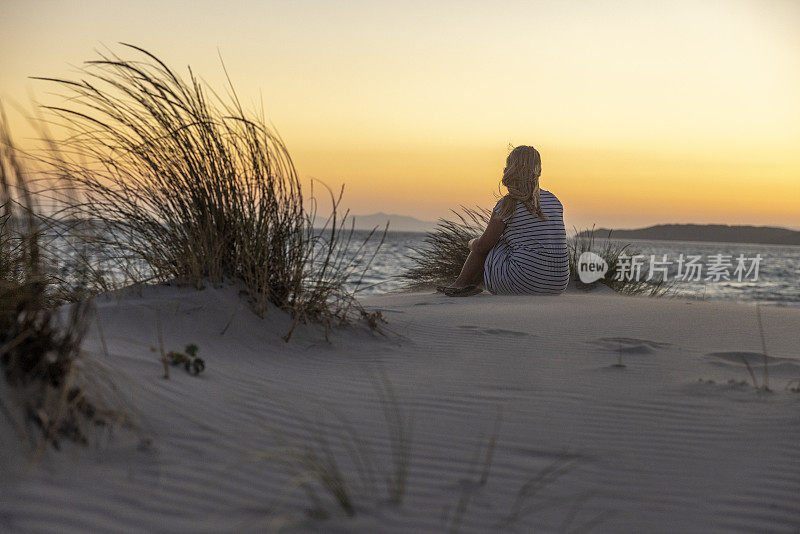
{"x": 495, "y": 331}
{"x": 628, "y": 345}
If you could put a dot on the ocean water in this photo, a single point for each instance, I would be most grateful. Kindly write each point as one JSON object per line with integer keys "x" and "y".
{"x": 777, "y": 281}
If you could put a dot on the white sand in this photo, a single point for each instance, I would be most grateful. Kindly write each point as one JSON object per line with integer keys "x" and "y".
{"x": 654, "y": 450}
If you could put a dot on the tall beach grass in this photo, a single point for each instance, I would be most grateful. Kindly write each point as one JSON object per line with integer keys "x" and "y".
{"x": 40, "y": 345}
{"x": 440, "y": 259}
{"x": 188, "y": 186}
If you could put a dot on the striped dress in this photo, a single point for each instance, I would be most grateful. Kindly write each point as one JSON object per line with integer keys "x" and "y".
{"x": 531, "y": 255}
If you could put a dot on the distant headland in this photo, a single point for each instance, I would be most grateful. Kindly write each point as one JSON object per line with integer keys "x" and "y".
{"x": 720, "y": 233}
{"x": 397, "y": 223}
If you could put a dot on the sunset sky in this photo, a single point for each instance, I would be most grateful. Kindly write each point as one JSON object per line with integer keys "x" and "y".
{"x": 644, "y": 112}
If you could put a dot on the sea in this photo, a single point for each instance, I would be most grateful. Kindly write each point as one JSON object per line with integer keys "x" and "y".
{"x": 765, "y": 274}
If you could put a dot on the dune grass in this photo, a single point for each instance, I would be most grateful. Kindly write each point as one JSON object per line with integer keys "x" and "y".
{"x": 611, "y": 251}
{"x": 38, "y": 348}
{"x": 440, "y": 259}
{"x": 339, "y": 471}
{"x": 318, "y": 470}
{"x": 188, "y": 186}
{"x": 529, "y": 499}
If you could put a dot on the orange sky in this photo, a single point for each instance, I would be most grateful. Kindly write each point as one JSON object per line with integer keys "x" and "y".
{"x": 644, "y": 112}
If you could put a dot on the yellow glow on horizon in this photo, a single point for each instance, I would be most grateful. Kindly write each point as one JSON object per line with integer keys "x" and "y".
{"x": 687, "y": 111}
{"x": 594, "y": 186}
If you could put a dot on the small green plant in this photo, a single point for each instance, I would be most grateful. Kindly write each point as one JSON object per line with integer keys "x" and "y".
{"x": 188, "y": 358}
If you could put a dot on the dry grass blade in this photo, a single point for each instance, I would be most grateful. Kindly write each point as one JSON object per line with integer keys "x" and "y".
{"x": 487, "y": 466}
{"x": 400, "y": 431}
{"x": 765, "y": 385}
{"x": 750, "y": 371}
{"x": 524, "y": 503}
{"x": 468, "y": 485}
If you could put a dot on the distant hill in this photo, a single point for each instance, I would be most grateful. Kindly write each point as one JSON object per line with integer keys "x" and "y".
{"x": 397, "y": 223}
{"x": 720, "y": 233}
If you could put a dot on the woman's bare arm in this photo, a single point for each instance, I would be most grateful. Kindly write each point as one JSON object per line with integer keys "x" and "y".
{"x": 490, "y": 237}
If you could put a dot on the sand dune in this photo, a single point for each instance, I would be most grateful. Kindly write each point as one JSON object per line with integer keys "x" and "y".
{"x": 642, "y": 448}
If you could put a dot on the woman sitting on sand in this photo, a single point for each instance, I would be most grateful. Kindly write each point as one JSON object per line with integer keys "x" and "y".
{"x": 524, "y": 247}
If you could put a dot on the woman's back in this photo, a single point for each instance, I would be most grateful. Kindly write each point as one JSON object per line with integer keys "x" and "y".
{"x": 526, "y": 231}
{"x": 531, "y": 256}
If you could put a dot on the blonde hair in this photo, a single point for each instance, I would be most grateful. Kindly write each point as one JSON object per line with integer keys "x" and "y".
{"x": 521, "y": 178}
